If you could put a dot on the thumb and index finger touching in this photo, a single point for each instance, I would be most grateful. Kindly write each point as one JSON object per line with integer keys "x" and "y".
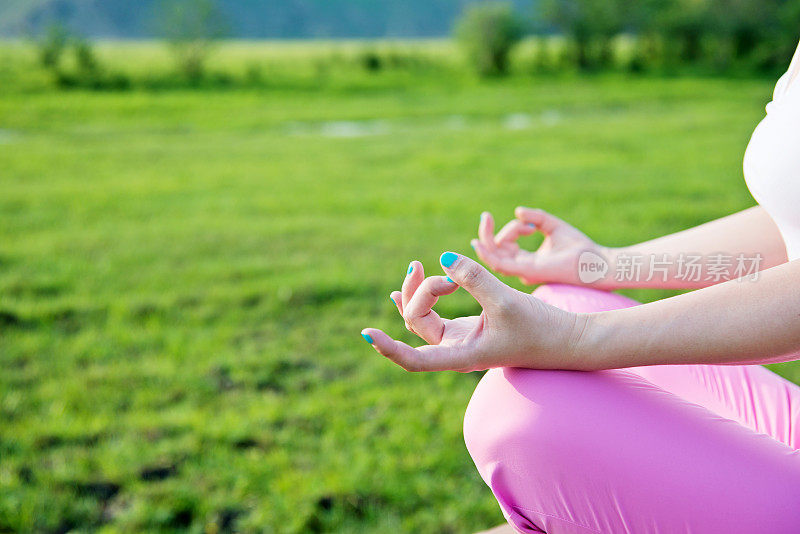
{"x": 487, "y": 289}
{"x": 544, "y": 221}
{"x": 467, "y": 273}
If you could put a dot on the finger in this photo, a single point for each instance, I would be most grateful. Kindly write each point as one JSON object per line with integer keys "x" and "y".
{"x": 397, "y": 298}
{"x": 486, "y": 230}
{"x": 489, "y": 257}
{"x": 512, "y": 231}
{"x": 544, "y": 221}
{"x": 496, "y": 262}
{"x": 414, "y": 277}
{"x": 419, "y": 314}
{"x": 480, "y": 283}
{"x": 425, "y": 358}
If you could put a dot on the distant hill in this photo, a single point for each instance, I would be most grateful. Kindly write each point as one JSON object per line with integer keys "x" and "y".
{"x": 276, "y": 19}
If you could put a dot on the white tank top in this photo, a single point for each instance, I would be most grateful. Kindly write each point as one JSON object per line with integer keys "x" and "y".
{"x": 772, "y": 159}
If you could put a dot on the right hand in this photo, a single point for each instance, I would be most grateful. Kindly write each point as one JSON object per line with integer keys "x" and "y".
{"x": 514, "y": 329}
{"x": 555, "y": 261}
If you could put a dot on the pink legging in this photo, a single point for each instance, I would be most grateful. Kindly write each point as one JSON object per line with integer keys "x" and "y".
{"x": 663, "y": 449}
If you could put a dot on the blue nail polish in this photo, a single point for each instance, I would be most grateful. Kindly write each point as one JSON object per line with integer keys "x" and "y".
{"x": 448, "y": 258}
{"x": 450, "y": 280}
{"x": 410, "y": 268}
{"x": 367, "y": 337}
{"x": 532, "y": 225}
{"x": 393, "y": 302}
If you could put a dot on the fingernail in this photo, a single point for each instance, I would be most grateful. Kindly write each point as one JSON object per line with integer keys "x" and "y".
{"x": 410, "y": 268}
{"x": 393, "y": 302}
{"x": 450, "y": 280}
{"x": 473, "y": 245}
{"x": 367, "y": 337}
{"x": 448, "y": 258}
{"x": 532, "y": 225}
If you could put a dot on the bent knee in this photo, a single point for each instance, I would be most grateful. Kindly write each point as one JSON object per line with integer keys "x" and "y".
{"x": 529, "y": 416}
{"x": 501, "y": 423}
{"x": 519, "y": 444}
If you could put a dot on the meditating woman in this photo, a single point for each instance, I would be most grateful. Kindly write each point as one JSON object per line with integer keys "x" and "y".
{"x": 677, "y": 428}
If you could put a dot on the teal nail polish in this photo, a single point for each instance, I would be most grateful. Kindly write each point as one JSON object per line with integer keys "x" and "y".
{"x": 448, "y": 258}
{"x": 450, "y": 280}
{"x": 390, "y": 298}
{"x": 368, "y": 338}
{"x": 410, "y": 268}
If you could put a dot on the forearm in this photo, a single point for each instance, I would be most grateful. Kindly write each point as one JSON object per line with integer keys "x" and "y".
{"x": 736, "y": 322}
{"x": 696, "y": 257}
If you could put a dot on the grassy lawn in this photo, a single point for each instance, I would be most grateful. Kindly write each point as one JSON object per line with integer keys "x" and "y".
{"x": 183, "y": 278}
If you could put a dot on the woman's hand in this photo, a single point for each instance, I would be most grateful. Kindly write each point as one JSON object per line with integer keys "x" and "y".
{"x": 556, "y": 260}
{"x": 515, "y": 329}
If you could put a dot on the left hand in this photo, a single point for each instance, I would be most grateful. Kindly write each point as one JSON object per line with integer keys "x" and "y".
{"x": 514, "y": 329}
{"x": 556, "y": 259}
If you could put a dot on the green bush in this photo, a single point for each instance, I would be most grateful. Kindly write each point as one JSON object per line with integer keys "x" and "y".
{"x": 371, "y": 61}
{"x": 191, "y": 27}
{"x": 52, "y": 45}
{"x": 673, "y": 35}
{"x": 84, "y": 56}
{"x": 488, "y": 32}
{"x": 591, "y": 26}
{"x": 86, "y": 72}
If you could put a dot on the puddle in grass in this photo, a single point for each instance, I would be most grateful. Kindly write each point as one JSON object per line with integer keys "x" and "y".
{"x": 8, "y": 136}
{"x": 456, "y": 122}
{"x": 517, "y": 121}
{"x": 551, "y": 117}
{"x": 366, "y": 128}
{"x": 340, "y": 129}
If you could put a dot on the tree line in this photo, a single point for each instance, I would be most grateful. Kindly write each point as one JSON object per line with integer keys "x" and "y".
{"x": 662, "y": 35}
{"x": 713, "y": 35}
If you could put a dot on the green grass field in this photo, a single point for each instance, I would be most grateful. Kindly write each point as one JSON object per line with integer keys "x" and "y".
{"x": 183, "y": 278}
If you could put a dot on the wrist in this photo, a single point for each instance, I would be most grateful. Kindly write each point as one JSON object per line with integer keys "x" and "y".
{"x": 588, "y": 341}
{"x": 596, "y": 268}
